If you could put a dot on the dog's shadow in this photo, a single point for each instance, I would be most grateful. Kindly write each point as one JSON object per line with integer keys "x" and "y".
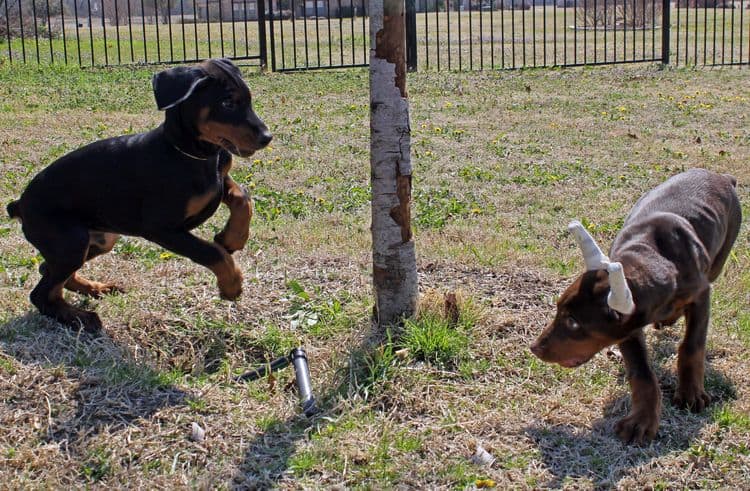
{"x": 596, "y": 454}
{"x": 80, "y": 383}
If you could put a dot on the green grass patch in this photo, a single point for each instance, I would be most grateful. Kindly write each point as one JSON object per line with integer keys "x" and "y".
{"x": 275, "y": 342}
{"x": 434, "y": 340}
{"x": 435, "y": 207}
{"x": 529, "y": 160}
{"x": 726, "y": 417}
{"x": 433, "y": 336}
{"x": 58, "y": 87}
{"x": 146, "y": 253}
{"x": 6, "y": 367}
{"x": 97, "y": 465}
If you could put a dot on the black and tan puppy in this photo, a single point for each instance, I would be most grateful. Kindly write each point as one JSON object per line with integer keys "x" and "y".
{"x": 157, "y": 185}
{"x": 673, "y": 244}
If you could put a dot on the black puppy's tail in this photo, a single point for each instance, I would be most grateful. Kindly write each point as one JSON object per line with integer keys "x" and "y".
{"x": 14, "y": 209}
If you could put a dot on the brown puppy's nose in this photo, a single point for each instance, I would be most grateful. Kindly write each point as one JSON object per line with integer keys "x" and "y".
{"x": 536, "y": 349}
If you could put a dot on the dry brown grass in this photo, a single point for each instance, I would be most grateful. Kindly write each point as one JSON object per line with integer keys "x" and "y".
{"x": 503, "y": 160}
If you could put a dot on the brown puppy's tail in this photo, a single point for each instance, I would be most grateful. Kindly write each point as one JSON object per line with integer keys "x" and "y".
{"x": 14, "y": 209}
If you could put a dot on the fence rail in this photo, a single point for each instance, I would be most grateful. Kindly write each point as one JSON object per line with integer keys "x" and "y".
{"x": 314, "y": 34}
{"x": 119, "y": 32}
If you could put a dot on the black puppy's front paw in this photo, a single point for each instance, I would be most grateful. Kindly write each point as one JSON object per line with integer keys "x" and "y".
{"x": 231, "y": 242}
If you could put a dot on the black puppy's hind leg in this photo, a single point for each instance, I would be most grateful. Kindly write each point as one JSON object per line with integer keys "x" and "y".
{"x": 691, "y": 356}
{"x": 99, "y": 243}
{"x": 64, "y": 249}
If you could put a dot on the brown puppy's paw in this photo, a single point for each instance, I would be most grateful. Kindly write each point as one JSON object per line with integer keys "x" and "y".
{"x": 693, "y": 398}
{"x": 231, "y": 241}
{"x": 638, "y": 427}
{"x": 230, "y": 285}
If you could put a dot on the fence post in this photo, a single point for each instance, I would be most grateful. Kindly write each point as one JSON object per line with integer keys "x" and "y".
{"x": 261, "y": 9}
{"x": 411, "y": 36}
{"x": 665, "y": 32}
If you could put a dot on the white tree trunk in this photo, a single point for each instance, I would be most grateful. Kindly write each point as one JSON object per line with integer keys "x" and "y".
{"x": 393, "y": 252}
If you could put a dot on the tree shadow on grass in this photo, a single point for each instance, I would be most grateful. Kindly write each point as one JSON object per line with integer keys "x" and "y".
{"x": 269, "y": 458}
{"x": 598, "y": 456}
{"x": 74, "y": 384}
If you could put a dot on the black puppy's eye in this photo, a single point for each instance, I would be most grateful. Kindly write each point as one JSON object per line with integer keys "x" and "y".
{"x": 573, "y": 324}
{"x": 228, "y": 104}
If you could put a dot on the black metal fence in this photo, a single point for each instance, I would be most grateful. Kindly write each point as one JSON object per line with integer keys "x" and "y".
{"x": 119, "y": 32}
{"x": 313, "y": 34}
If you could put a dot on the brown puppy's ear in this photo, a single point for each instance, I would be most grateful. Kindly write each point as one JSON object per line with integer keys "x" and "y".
{"x": 173, "y": 86}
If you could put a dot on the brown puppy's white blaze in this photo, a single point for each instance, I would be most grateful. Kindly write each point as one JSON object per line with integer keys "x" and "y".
{"x": 584, "y": 324}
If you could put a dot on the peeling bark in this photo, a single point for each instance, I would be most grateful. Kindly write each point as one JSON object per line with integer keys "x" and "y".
{"x": 390, "y": 44}
{"x": 394, "y": 256}
{"x": 401, "y": 214}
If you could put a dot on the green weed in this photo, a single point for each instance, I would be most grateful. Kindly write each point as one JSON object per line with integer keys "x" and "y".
{"x": 97, "y": 466}
{"x": 433, "y": 339}
{"x": 436, "y": 206}
{"x": 726, "y": 417}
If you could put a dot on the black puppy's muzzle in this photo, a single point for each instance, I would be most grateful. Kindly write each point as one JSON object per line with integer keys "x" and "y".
{"x": 264, "y": 137}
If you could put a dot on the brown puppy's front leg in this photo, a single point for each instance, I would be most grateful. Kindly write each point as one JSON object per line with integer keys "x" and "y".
{"x": 641, "y": 424}
{"x": 237, "y": 230}
{"x": 207, "y": 254}
{"x": 691, "y": 356}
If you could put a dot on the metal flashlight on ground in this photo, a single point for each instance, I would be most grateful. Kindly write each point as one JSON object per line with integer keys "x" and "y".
{"x": 298, "y": 358}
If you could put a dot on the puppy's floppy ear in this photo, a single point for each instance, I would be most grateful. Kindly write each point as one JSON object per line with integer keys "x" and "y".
{"x": 225, "y": 66}
{"x": 173, "y": 86}
{"x": 224, "y": 63}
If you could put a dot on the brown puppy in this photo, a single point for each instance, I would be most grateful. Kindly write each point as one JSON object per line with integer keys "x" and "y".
{"x": 673, "y": 244}
{"x": 158, "y": 185}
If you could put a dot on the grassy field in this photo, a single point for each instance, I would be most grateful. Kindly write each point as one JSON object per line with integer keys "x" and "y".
{"x": 542, "y": 36}
{"x": 502, "y": 162}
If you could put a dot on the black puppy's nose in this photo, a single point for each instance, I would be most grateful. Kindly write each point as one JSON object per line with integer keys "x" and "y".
{"x": 265, "y": 137}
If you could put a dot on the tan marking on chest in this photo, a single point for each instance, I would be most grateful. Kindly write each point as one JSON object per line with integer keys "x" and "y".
{"x": 198, "y": 203}
{"x": 224, "y": 169}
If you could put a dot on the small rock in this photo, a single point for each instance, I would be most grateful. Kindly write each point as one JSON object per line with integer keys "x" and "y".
{"x": 197, "y": 434}
{"x": 482, "y": 457}
{"x": 402, "y": 354}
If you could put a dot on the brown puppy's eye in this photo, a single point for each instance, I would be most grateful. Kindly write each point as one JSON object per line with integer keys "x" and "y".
{"x": 573, "y": 325}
